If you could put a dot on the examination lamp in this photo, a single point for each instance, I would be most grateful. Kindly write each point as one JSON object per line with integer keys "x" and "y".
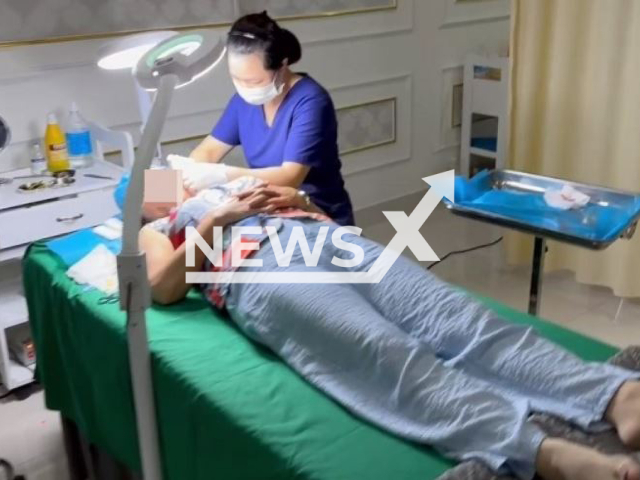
{"x": 125, "y": 53}
{"x": 173, "y": 63}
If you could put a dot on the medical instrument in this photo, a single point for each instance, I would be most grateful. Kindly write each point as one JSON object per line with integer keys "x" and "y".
{"x": 109, "y": 299}
{"x": 59, "y": 174}
{"x": 78, "y": 139}
{"x": 174, "y": 63}
{"x": 515, "y": 200}
{"x": 5, "y": 138}
{"x": 125, "y": 53}
{"x": 101, "y": 177}
{"x": 56, "y": 145}
{"x": 62, "y": 178}
{"x": 31, "y": 186}
{"x": 58, "y": 182}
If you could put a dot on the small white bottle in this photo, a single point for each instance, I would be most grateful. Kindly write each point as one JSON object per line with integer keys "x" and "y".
{"x": 78, "y": 139}
{"x": 38, "y": 162}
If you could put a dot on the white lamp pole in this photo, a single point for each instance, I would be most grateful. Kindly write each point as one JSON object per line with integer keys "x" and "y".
{"x": 135, "y": 295}
{"x": 173, "y": 63}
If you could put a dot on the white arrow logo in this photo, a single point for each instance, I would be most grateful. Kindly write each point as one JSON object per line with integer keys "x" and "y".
{"x": 407, "y": 235}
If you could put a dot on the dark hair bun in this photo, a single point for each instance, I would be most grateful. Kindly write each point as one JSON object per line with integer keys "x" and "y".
{"x": 258, "y": 32}
{"x": 292, "y": 45}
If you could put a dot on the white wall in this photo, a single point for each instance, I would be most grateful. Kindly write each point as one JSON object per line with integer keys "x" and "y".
{"x": 400, "y": 53}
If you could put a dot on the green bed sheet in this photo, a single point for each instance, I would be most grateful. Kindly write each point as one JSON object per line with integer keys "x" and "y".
{"x": 227, "y": 408}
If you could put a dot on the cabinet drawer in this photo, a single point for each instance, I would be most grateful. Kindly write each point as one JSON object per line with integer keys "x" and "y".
{"x": 28, "y": 224}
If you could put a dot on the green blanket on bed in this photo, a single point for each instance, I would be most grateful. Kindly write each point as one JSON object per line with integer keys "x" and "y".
{"x": 227, "y": 408}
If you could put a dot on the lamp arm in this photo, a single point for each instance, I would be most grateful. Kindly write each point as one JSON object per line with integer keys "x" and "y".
{"x": 135, "y": 292}
{"x": 145, "y": 102}
{"x": 149, "y": 141}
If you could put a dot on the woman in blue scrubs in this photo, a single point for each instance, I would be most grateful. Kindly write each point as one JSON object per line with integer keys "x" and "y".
{"x": 284, "y": 121}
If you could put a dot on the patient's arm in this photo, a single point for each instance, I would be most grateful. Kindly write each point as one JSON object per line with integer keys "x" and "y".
{"x": 273, "y": 197}
{"x": 210, "y": 150}
{"x": 167, "y": 267}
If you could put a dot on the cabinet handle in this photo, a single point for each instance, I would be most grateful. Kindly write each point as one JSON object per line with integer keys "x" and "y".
{"x": 70, "y": 219}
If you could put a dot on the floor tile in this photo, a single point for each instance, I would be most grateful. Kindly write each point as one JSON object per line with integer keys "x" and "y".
{"x": 603, "y": 327}
{"x": 31, "y": 436}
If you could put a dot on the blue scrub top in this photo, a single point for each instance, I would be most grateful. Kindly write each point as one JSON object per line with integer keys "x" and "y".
{"x": 305, "y": 131}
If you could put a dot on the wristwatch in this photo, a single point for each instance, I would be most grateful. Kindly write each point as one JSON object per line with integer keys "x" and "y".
{"x": 305, "y": 197}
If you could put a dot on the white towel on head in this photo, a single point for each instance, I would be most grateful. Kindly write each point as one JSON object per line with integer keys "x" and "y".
{"x": 98, "y": 268}
{"x": 566, "y": 198}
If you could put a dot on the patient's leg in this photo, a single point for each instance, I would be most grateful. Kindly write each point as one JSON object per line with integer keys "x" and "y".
{"x": 336, "y": 340}
{"x": 624, "y": 413}
{"x": 562, "y": 460}
{"x": 468, "y": 336}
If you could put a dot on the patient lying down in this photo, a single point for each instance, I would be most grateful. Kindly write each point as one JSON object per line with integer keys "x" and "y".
{"x": 410, "y": 354}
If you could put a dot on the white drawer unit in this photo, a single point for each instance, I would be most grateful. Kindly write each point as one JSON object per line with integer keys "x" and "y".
{"x": 28, "y": 217}
{"x": 55, "y": 217}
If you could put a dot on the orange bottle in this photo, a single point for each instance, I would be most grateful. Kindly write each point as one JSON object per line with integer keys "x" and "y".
{"x": 56, "y": 146}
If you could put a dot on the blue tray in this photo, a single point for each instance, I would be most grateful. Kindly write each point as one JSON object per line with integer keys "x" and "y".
{"x": 515, "y": 200}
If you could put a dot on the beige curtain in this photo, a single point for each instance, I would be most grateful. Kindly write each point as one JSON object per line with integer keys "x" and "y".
{"x": 575, "y": 114}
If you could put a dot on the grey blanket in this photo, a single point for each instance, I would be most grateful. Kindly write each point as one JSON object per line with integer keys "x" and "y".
{"x": 606, "y": 442}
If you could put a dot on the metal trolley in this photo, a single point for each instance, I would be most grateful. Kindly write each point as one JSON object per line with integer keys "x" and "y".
{"x": 602, "y": 199}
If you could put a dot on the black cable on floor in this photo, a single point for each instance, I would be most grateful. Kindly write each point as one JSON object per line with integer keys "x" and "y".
{"x": 466, "y": 250}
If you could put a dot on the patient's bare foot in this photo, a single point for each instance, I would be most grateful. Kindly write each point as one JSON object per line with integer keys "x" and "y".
{"x": 562, "y": 460}
{"x": 624, "y": 413}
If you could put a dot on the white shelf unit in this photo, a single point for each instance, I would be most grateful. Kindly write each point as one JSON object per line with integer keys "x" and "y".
{"x": 28, "y": 217}
{"x": 481, "y": 152}
{"x": 486, "y": 95}
{"x": 13, "y": 312}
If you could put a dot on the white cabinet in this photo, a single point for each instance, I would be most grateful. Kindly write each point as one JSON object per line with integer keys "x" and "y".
{"x": 13, "y": 314}
{"x": 27, "y": 217}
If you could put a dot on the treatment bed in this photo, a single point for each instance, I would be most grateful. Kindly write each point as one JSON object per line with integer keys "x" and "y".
{"x": 226, "y": 407}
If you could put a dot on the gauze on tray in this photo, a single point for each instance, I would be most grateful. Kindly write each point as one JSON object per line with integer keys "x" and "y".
{"x": 566, "y": 198}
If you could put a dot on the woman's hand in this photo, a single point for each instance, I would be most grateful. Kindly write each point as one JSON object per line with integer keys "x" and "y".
{"x": 272, "y": 197}
{"x": 234, "y": 210}
{"x": 197, "y": 176}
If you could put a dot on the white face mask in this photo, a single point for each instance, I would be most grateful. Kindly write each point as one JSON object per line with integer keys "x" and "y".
{"x": 260, "y": 95}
